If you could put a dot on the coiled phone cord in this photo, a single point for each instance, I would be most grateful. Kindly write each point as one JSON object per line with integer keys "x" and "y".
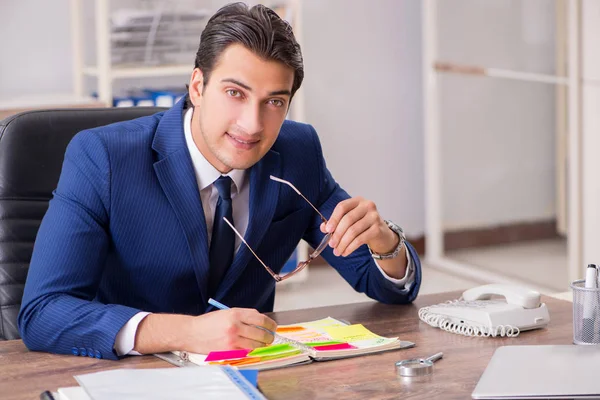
{"x": 444, "y": 323}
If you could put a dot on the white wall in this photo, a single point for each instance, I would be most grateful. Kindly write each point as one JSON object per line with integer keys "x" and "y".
{"x": 37, "y": 35}
{"x": 590, "y": 102}
{"x": 36, "y": 47}
{"x": 363, "y": 95}
{"x": 498, "y": 136}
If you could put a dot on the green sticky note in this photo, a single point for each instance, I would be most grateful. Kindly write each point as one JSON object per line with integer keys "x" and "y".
{"x": 275, "y": 349}
{"x": 314, "y": 344}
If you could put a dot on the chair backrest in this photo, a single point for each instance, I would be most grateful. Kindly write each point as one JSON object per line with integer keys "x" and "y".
{"x": 32, "y": 148}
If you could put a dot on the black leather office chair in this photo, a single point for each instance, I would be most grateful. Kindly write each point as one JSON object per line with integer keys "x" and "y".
{"x": 32, "y": 148}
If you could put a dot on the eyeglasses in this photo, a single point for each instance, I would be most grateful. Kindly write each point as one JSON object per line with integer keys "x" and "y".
{"x": 301, "y": 265}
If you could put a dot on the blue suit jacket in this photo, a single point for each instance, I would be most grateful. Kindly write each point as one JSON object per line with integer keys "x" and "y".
{"x": 125, "y": 232}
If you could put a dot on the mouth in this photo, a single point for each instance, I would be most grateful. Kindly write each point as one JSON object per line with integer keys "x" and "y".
{"x": 242, "y": 143}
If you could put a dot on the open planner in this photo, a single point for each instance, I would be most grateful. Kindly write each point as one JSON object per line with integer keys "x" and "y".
{"x": 321, "y": 340}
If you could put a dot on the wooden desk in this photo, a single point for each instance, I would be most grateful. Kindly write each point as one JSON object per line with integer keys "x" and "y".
{"x": 24, "y": 374}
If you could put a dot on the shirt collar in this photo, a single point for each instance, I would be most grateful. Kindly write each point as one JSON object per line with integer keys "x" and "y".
{"x": 206, "y": 174}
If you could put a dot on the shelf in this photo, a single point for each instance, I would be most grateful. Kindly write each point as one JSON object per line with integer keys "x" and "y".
{"x": 119, "y": 72}
{"x": 107, "y": 69}
{"x": 48, "y": 100}
{"x": 15, "y": 105}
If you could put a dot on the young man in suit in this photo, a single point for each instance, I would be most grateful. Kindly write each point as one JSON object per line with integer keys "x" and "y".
{"x": 134, "y": 242}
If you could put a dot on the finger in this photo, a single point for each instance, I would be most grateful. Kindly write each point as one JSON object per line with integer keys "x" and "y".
{"x": 255, "y": 334}
{"x": 323, "y": 227}
{"x": 361, "y": 239}
{"x": 346, "y": 223}
{"x": 236, "y": 337}
{"x": 244, "y": 343}
{"x": 340, "y": 210}
{"x": 252, "y": 317}
{"x": 368, "y": 212}
{"x": 354, "y": 231}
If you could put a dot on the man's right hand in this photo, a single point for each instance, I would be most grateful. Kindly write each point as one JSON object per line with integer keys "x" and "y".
{"x": 236, "y": 328}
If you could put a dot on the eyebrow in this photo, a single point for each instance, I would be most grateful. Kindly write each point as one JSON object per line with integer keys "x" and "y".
{"x": 248, "y": 88}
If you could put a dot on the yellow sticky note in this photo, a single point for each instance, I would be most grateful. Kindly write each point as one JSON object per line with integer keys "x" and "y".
{"x": 323, "y": 323}
{"x": 350, "y": 333}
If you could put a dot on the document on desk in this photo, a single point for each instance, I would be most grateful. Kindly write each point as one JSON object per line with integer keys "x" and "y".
{"x": 208, "y": 382}
{"x": 329, "y": 339}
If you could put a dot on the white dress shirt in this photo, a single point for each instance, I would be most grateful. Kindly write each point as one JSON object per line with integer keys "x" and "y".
{"x": 206, "y": 175}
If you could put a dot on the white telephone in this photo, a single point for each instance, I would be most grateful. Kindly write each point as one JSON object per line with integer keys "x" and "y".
{"x": 477, "y": 314}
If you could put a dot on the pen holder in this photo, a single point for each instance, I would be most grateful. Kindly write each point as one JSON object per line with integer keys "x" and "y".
{"x": 586, "y": 314}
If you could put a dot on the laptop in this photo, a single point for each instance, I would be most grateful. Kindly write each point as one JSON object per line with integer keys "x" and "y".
{"x": 541, "y": 372}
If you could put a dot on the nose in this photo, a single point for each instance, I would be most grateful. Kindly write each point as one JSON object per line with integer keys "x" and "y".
{"x": 251, "y": 119}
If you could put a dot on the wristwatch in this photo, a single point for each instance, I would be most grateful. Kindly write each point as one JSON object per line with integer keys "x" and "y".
{"x": 398, "y": 231}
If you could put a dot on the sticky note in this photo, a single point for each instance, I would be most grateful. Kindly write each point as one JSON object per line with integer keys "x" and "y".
{"x": 323, "y": 323}
{"x": 226, "y": 355}
{"x": 272, "y": 350}
{"x": 239, "y": 361}
{"x": 327, "y": 343}
{"x": 339, "y": 346}
{"x": 245, "y": 361}
{"x": 350, "y": 333}
{"x": 306, "y": 335}
{"x": 288, "y": 329}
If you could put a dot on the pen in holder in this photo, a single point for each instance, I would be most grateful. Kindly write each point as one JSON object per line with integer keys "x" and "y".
{"x": 586, "y": 313}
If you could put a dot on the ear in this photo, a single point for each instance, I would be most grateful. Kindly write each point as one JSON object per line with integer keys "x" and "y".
{"x": 196, "y": 86}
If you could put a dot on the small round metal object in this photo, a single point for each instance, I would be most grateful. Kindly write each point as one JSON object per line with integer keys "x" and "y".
{"x": 417, "y": 366}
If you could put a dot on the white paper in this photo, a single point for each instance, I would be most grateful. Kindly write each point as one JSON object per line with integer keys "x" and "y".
{"x": 163, "y": 383}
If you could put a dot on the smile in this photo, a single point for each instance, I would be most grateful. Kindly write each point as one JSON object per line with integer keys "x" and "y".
{"x": 242, "y": 144}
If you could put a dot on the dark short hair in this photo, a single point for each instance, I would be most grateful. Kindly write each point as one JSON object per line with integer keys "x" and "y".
{"x": 259, "y": 29}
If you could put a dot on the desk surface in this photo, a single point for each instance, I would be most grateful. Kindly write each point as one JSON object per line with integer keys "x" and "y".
{"x": 24, "y": 374}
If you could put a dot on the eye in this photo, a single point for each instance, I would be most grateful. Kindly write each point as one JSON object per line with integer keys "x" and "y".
{"x": 276, "y": 102}
{"x": 233, "y": 93}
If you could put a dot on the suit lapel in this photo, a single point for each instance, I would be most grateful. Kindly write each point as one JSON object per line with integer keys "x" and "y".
{"x": 264, "y": 194}
{"x": 176, "y": 175}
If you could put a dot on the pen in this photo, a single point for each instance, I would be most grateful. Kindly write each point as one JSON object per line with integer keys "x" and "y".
{"x": 222, "y": 306}
{"x": 46, "y": 395}
{"x": 217, "y": 304}
{"x": 589, "y": 305}
{"x": 278, "y": 338}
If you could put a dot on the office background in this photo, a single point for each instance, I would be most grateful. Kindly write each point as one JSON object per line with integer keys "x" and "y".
{"x": 503, "y": 160}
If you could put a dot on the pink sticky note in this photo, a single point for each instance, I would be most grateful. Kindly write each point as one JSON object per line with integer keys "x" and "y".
{"x": 340, "y": 346}
{"x": 226, "y": 355}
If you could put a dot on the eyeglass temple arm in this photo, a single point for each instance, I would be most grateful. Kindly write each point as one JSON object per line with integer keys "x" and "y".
{"x": 297, "y": 191}
{"x": 248, "y": 246}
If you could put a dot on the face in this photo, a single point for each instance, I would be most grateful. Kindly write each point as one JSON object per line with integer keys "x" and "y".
{"x": 238, "y": 115}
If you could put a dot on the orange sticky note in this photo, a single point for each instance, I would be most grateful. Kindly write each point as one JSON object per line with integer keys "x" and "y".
{"x": 287, "y": 329}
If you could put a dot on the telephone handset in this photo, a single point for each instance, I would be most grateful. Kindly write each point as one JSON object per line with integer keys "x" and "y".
{"x": 517, "y": 295}
{"x": 476, "y": 313}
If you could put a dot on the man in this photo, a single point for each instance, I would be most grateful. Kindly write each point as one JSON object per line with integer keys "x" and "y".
{"x": 135, "y": 240}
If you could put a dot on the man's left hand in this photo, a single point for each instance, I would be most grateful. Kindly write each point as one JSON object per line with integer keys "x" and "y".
{"x": 355, "y": 222}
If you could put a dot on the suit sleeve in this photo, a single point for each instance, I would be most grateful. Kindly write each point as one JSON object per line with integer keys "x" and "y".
{"x": 359, "y": 268}
{"x": 58, "y": 313}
